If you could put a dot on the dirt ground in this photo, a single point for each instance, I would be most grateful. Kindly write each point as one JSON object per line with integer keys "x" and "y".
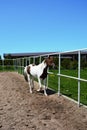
{"x": 20, "y": 110}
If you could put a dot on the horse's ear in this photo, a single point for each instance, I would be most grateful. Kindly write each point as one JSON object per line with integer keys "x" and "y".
{"x": 46, "y": 58}
{"x": 50, "y": 57}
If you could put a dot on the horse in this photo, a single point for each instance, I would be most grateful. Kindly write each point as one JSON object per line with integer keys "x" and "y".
{"x": 39, "y": 71}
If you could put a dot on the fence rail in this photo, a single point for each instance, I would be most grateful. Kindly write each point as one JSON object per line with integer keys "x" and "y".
{"x": 78, "y": 56}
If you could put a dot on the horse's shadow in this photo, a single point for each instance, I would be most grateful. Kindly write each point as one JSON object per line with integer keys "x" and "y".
{"x": 49, "y": 91}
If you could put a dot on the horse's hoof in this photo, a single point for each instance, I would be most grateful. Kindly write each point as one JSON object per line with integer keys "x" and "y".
{"x": 30, "y": 91}
{"x": 46, "y": 94}
{"x": 38, "y": 90}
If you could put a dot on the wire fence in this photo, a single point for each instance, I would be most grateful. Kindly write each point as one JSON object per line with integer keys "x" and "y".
{"x": 68, "y": 76}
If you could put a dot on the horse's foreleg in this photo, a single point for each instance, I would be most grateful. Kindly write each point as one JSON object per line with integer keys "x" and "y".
{"x": 45, "y": 93}
{"x": 32, "y": 82}
{"x": 29, "y": 82}
{"x": 39, "y": 81}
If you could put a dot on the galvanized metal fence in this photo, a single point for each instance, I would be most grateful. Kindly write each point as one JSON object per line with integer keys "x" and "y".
{"x": 69, "y": 67}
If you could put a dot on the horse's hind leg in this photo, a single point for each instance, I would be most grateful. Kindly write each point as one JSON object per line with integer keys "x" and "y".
{"x": 32, "y": 82}
{"x": 29, "y": 82}
{"x": 39, "y": 84}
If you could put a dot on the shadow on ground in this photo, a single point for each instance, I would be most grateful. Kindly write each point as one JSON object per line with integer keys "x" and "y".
{"x": 49, "y": 91}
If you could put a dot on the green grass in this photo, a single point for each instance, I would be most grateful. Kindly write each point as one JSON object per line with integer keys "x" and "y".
{"x": 69, "y": 87}
{"x": 11, "y": 68}
{"x": 7, "y": 68}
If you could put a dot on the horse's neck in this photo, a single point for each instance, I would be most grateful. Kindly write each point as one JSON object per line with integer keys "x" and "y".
{"x": 43, "y": 65}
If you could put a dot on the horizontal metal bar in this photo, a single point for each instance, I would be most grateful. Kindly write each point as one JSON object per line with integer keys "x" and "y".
{"x": 72, "y": 77}
{"x": 67, "y": 76}
{"x": 73, "y": 51}
{"x": 19, "y": 66}
{"x": 50, "y": 72}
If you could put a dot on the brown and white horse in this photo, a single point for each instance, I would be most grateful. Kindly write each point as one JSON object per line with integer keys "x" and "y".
{"x": 39, "y": 71}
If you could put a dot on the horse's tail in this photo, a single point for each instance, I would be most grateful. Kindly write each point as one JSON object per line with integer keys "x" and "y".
{"x": 25, "y": 74}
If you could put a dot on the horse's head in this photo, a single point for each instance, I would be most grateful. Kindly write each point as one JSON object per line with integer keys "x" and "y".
{"x": 49, "y": 61}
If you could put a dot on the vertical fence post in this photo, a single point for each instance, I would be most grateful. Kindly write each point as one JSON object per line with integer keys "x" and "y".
{"x": 29, "y": 60}
{"x": 47, "y": 77}
{"x": 3, "y": 64}
{"x": 59, "y": 76}
{"x": 25, "y": 61}
{"x": 78, "y": 78}
{"x": 19, "y": 65}
{"x": 34, "y": 60}
{"x": 23, "y": 65}
{"x": 40, "y": 60}
{"x": 14, "y": 64}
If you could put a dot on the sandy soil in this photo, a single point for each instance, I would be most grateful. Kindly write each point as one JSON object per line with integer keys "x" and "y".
{"x": 20, "y": 110}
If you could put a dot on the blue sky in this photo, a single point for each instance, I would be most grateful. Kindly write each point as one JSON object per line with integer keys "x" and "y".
{"x": 42, "y": 25}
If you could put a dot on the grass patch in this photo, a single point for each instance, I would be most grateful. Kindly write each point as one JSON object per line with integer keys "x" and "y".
{"x": 7, "y": 68}
{"x": 69, "y": 87}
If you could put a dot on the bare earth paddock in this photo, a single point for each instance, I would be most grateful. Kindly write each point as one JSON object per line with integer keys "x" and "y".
{"x": 20, "y": 110}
